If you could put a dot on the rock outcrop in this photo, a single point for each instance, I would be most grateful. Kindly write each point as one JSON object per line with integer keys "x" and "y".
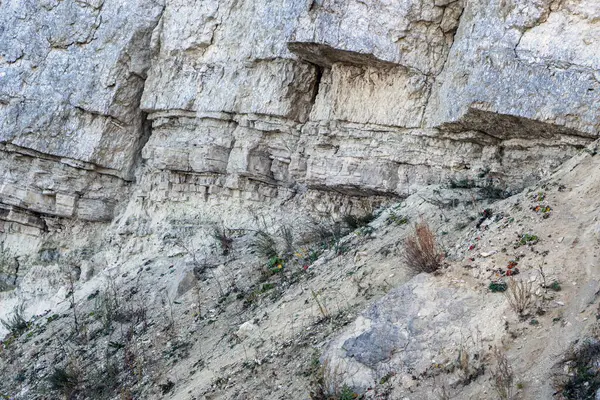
{"x": 264, "y": 101}
{"x": 141, "y": 130}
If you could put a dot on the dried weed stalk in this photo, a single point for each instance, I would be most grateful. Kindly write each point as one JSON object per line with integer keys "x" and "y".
{"x": 502, "y": 376}
{"x": 519, "y": 295}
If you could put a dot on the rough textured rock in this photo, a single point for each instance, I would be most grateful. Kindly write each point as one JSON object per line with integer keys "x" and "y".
{"x": 411, "y": 332}
{"x": 500, "y": 67}
{"x": 133, "y": 131}
{"x": 275, "y": 98}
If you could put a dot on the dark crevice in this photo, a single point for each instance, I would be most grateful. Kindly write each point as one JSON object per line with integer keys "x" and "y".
{"x": 146, "y": 132}
{"x": 317, "y": 85}
{"x": 17, "y": 266}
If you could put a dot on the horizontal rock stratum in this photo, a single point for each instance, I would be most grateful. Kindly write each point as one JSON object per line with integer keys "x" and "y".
{"x": 100, "y": 99}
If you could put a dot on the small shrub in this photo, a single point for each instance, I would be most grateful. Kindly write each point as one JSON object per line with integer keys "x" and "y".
{"x": 421, "y": 251}
{"x": 464, "y": 183}
{"x": 17, "y": 323}
{"x": 166, "y": 387}
{"x": 492, "y": 192}
{"x": 583, "y": 380}
{"x": 328, "y": 234}
{"x": 519, "y": 295}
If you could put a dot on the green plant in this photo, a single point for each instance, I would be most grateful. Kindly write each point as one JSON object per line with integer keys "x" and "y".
{"x": 584, "y": 378}
{"x": 275, "y": 264}
{"x": 17, "y": 323}
{"x": 540, "y": 196}
{"x": 327, "y": 384}
{"x": 265, "y": 245}
{"x": 555, "y": 286}
{"x": 347, "y": 394}
{"x": 421, "y": 252}
{"x": 527, "y": 238}
{"x": 266, "y": 287}
{"x": 496, "y": 287}
{"x": 288, "y": 240}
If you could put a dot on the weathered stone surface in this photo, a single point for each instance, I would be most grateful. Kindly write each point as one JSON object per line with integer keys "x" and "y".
{"x": 410, "y": 331}
{"x": 412, "y": 34}
{"x": 70, "y": 78}
{"x": 362, "y": 97}
{"x": 501, "y": 66}
{"x": 57, "y": 187}
{"x": 159, "y": 120}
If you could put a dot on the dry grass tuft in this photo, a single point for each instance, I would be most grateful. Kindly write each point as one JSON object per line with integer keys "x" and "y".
{"x": 519, "y": 295}
{"x": 503, "y": 376}
{"x": 421, "y": 251}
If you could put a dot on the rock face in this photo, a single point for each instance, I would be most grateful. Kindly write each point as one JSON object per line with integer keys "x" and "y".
{"x": 262, "y": 101}
{"x": 71, "y": 77}
{"x": 126, "y": 126}
{"x": 216, "y": 108}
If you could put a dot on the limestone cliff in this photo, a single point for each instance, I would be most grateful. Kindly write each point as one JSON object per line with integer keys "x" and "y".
{"x": 129, "y": 130}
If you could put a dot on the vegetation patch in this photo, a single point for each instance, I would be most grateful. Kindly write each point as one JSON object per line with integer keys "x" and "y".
{"x": 582, "y": 379}
{"x": 421, "y": 251}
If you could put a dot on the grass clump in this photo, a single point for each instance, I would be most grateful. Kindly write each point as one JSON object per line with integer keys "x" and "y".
{"x": 421, "y": 251}
{"x": 63, "y": 380}
{"x": 16, "y": 324}
{"x": 328, "y": 384}
{"x": 265, "y": 245}
{"x": 397, "y": 219}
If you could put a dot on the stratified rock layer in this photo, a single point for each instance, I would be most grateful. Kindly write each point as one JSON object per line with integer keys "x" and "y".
{"x": 209, "y": 106}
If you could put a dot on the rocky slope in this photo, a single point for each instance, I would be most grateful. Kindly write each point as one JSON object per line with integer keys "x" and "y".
{"x": 148, "y": 146}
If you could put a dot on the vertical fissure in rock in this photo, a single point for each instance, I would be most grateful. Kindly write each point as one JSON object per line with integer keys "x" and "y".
{"x": 317, "y": 86}
{"x": 145, "y": 133}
